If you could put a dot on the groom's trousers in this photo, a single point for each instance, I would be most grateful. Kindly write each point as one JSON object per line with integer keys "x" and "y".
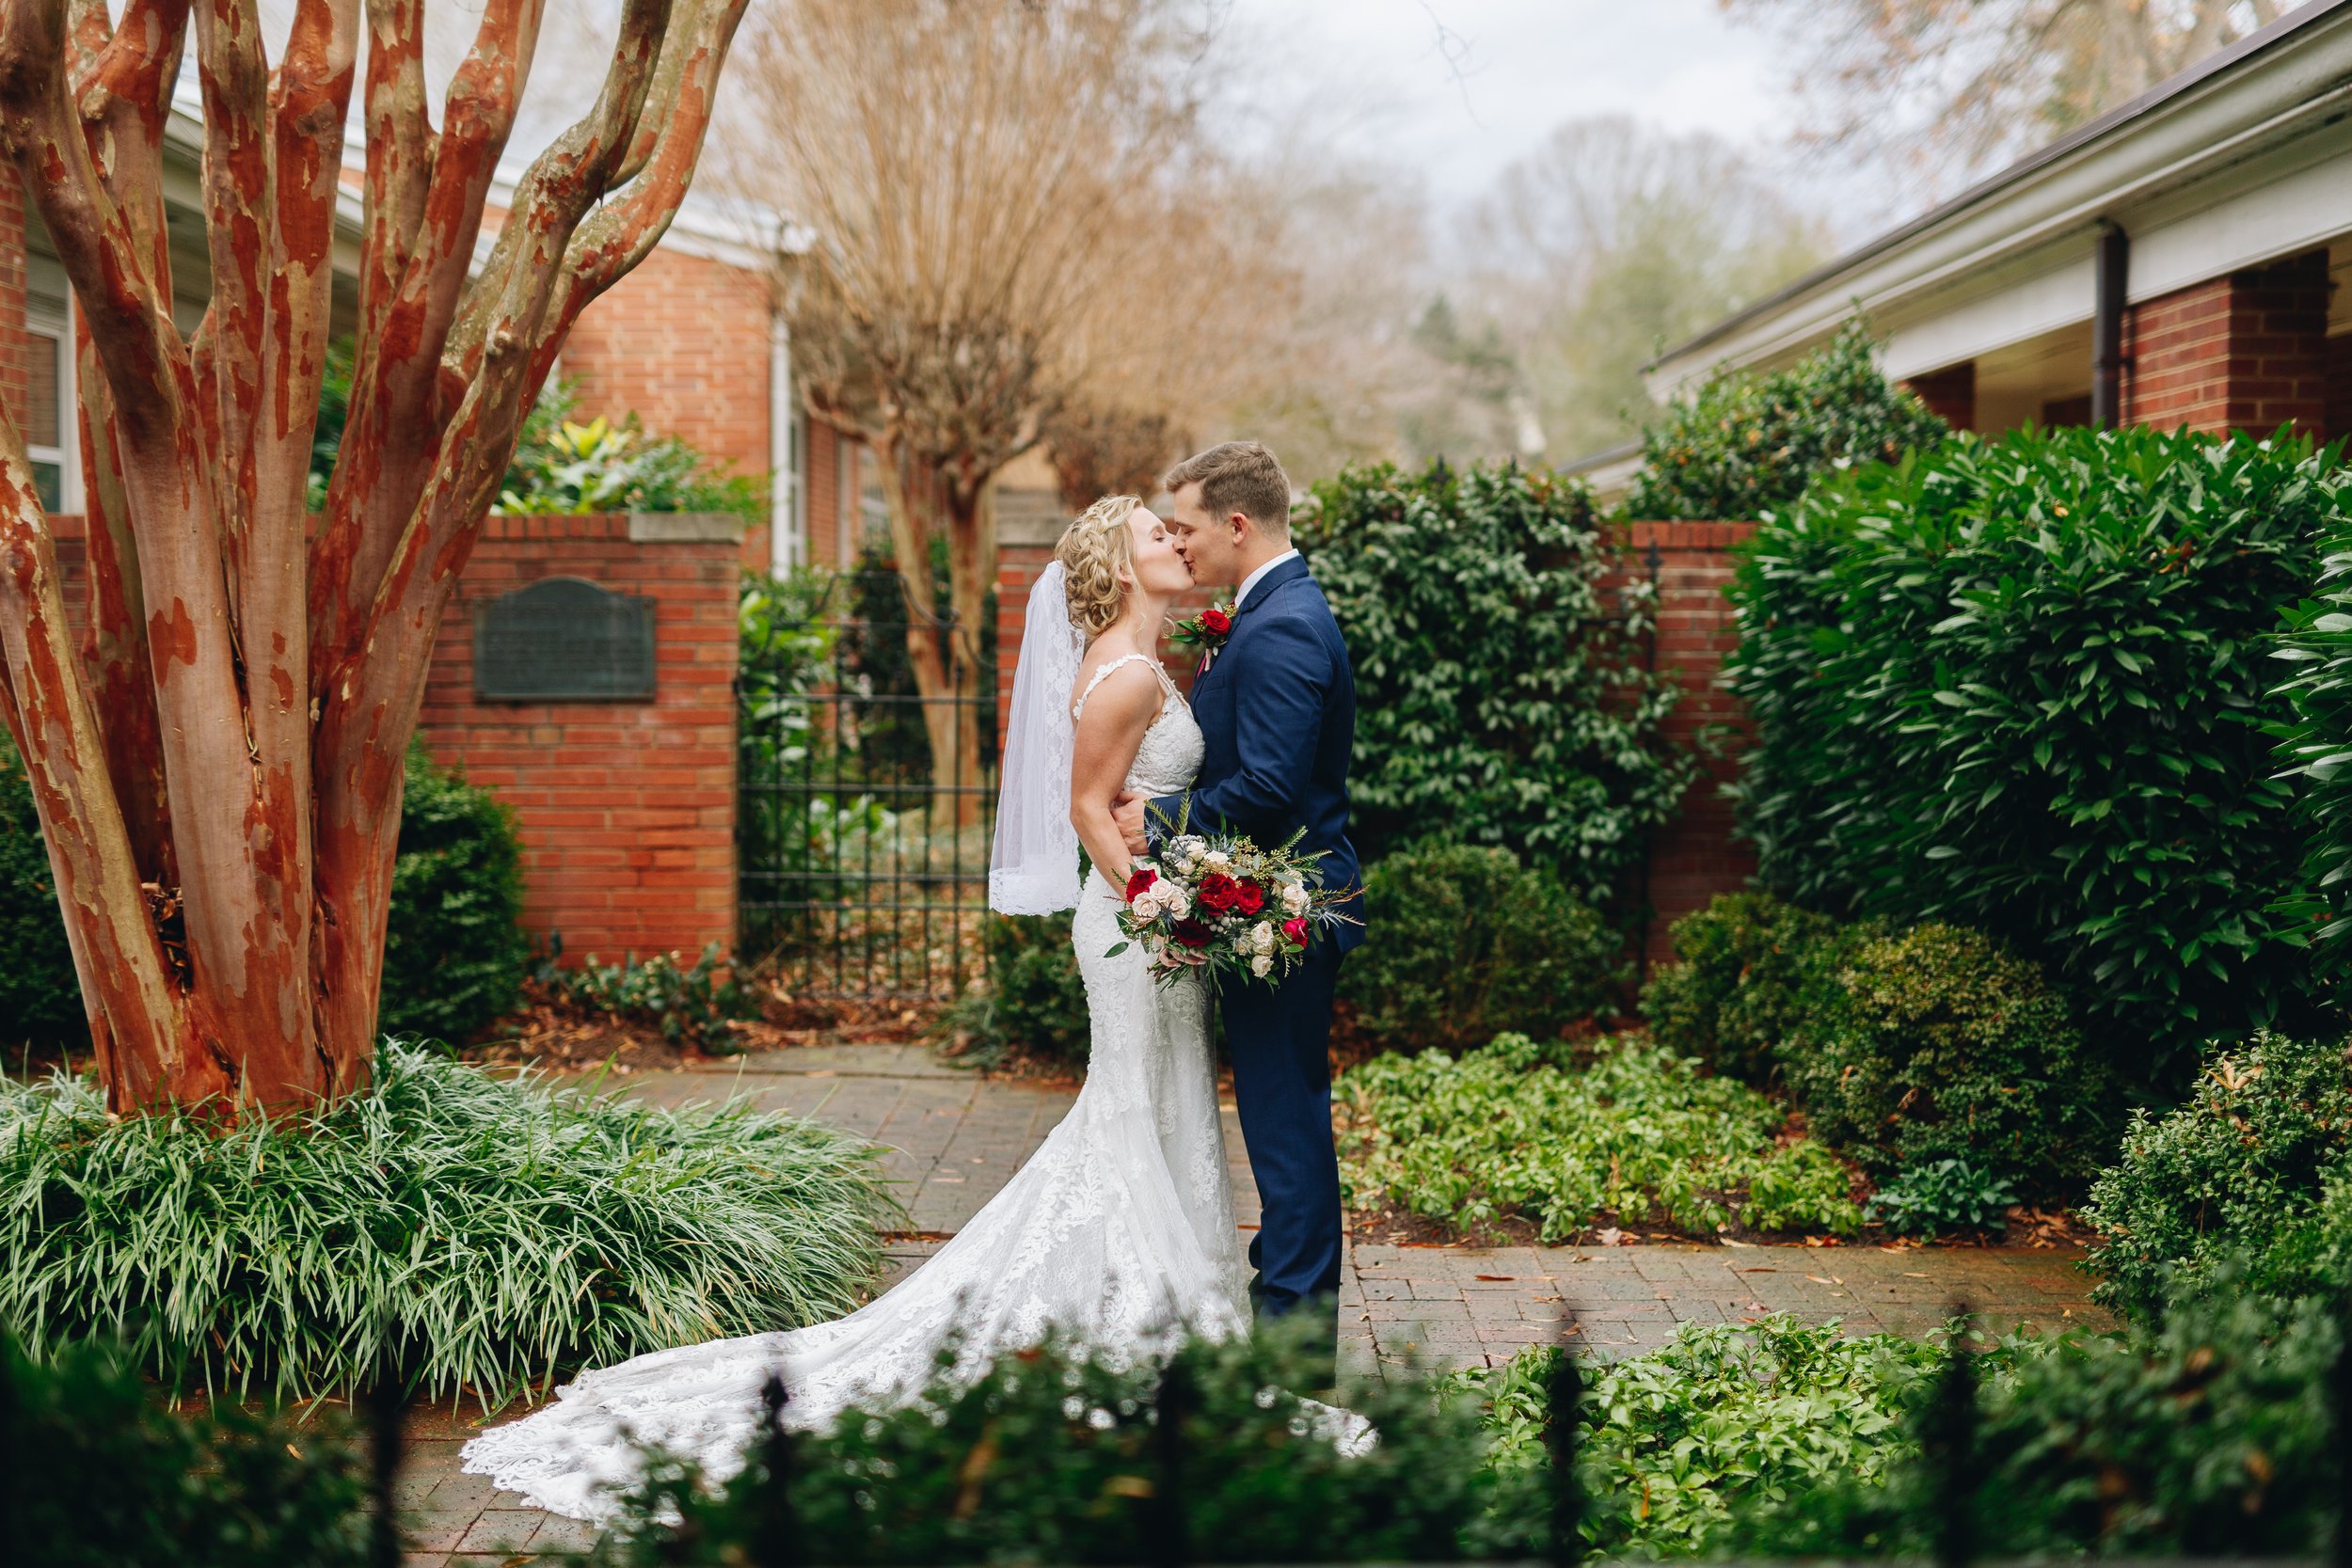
{"x": 1280, "y": 1039}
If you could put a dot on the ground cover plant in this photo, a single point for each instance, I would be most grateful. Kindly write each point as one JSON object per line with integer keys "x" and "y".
{"x": 695, "y": 1004}
{"x": 2246, "y": 1188}
{"x": 482, "y": 1232}
{"x": 1747, "y": 445}
{"x": 1473, "y": 944}
{"x": 2021, "y": 686}
{"x": 1501, "y": 697}
{"x": 102, "y": 1474}
{"x": 1568, "y": 1140}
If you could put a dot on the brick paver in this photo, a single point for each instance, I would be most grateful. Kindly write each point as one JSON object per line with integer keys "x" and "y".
{"x": 954, "y": 1139}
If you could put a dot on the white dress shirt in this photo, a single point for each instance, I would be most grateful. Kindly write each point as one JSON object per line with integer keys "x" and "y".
{"x": 1242, "y": 594}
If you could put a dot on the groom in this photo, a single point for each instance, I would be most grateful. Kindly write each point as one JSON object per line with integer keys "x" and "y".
{"x": 1277, "y": 707}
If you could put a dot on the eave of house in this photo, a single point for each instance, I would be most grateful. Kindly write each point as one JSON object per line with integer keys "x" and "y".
{"x": 2243, "y": 159}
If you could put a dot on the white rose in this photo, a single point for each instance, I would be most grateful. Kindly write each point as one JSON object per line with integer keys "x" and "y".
{"x": 1147, "y": 904}
{"x": 1176, "y": 902}
{"x": 1295, "y": 897}
{"x": 1262, "y": 965}
{"x": 1262, "y": 937}
{"x": 1216, "y": 860}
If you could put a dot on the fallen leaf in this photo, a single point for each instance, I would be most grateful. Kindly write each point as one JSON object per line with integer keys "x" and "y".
{"x": 1497, "y": 1278}
{"x": 1610, "y": 1236}
{"x": 1759, "y": 1268}
{"x": 1819, "y": 1280}
{"x": 1907, "y": 1274}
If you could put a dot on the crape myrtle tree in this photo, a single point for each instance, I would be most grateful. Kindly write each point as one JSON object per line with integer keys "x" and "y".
{"x": 217, "y": 762}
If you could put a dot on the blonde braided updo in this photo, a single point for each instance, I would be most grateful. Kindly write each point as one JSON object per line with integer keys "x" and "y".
{"x": 1093, "y": 551}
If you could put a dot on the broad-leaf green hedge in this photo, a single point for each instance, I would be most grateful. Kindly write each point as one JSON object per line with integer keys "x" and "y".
{"x": 1500, "y": 693}
{"x": 2021, "y": 686}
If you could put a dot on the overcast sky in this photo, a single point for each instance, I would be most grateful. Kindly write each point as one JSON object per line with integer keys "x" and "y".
{"x": 1476, "y": 83}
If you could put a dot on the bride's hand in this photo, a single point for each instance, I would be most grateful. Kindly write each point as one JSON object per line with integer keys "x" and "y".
{"x": 1127, "y": 810}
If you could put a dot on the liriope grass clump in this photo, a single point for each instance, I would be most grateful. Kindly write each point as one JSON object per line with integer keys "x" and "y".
{"x": 479, "y": 1233}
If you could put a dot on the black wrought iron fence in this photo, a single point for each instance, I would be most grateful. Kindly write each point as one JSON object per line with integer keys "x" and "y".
{"x": 864, "y": 808}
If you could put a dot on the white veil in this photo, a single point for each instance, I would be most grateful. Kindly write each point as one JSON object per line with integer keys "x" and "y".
{"x": 1033, "y": 868}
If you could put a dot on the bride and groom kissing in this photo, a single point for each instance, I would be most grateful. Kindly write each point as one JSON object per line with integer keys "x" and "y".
{"x": 1119, "y": 1230}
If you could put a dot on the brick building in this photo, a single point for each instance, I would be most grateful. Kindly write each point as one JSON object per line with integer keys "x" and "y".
{"x": 2193, "y": 243}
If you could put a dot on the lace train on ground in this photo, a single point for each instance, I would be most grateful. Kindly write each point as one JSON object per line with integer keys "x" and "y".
{"x": 1119, "y": 1227}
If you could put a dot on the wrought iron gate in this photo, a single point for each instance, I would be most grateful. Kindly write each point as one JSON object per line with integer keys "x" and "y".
{"x": 863, "y": 857}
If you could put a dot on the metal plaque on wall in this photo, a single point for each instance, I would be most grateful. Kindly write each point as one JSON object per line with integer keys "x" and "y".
{"x": 562, "y": 640}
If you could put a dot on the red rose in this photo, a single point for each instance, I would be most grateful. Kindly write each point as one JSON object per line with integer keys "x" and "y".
{"x": 1250, "y": 898}
{"x": 1218, "y": 892}
{"x": 1215, "y": 622}
{"x": 1140, "y": 880}
{"x": 1191, "y": 933}
{"x": 1296, "y": 930}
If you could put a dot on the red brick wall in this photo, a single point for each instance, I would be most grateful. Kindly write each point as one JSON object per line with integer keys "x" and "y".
{"x": 2245, "y": 352}
{"x": 684, "y": 342}
{"x": 1950, "y": 394}
{"x": 1692, "y": 858}
{"x": 626, "y": 808}
{"x": 820, "y": 486}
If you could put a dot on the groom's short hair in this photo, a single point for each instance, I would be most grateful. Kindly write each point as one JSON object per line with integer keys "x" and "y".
{"x": 1239, "y": 476}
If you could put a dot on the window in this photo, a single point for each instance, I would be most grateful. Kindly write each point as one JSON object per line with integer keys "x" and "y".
{"x": 49, "y": 402}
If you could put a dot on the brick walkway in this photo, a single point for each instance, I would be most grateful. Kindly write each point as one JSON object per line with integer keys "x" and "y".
{"x": 955, "y": 1139}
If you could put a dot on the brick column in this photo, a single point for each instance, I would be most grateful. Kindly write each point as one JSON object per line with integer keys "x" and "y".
{"x": 2246, "y": 351}
{"x": 1695, "y": 856}
{"x": 626, "y": 808}
{"x": 1950, "y": 394}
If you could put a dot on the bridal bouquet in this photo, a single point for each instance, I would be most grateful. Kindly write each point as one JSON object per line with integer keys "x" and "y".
{"x": 1222, "y": 903}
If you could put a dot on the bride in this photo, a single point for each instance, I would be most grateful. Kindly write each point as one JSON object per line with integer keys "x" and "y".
{"x": 1119, "y": 1229}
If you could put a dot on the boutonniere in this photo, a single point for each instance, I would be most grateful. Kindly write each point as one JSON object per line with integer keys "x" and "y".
{"x": 1206, "y": 631}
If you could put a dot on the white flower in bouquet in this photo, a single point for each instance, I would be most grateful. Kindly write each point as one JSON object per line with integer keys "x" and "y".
{"x": 1177, "y": 902}
{"x": 1147, "y": 904}
{"x": 1262, "y": 937}
{"x": 1294, "y": 898}
{"x": 1217, "y": 860}
{"x": 1261, "y": 965}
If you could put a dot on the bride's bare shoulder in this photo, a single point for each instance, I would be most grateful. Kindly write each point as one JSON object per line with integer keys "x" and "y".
{"x": 1121, "y": 684}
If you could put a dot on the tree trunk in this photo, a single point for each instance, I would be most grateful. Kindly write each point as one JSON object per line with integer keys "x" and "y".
{"x": 218, "y": 766}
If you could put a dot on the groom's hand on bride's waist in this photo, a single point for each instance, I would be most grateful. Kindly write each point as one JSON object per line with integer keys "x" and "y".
{"x": 1127, "y": 809}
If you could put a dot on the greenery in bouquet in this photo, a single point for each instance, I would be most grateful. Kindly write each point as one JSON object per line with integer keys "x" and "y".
{"x": 1217, "y": 902}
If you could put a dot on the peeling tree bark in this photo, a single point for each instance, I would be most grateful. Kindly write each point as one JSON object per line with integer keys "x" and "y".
{"x": 217, "y": 765}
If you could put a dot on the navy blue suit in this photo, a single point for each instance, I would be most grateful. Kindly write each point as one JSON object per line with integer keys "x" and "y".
{"x": 1277, "y": 709}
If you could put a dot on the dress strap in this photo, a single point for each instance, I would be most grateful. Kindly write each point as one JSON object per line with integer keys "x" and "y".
{"x": 1078, "y": 707}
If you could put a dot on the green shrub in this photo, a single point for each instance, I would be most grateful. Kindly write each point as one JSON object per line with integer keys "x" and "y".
{"x": 2250, "y": 1179}
{"x": 486, "y": 1231}
{"x": 1501, "y": 694}
{"x": 454, "y": 952}
{"x": 697, "y": 1005}
{"x": 563, "y": 466}
{"x": 1754, "y": 970}
{"x": 100, "y": 1474}
{"x": 1470, "y": 944}
{"x": 1746, "y": 445}
{"x": 2211, "y": 1439}
{"x": 2315, "y": 736}
{"x": 1932, "y": 1196}
{"x": 41, "y": 997}
{"x": 1055, "y": 1456}
{"x": 1034, "y": 999}
{"x": 2018, "y": 686}
{"x": 1673, "y": 1445}
{"x": 1943, "y": 1045}
{"x": 1517, "y": 1128}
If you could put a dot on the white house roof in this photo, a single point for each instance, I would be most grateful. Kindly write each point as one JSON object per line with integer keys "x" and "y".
{"x": 2243, "y": 159}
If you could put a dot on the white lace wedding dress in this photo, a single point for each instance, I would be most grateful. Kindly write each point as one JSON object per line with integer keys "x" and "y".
{"x": 1119, "y": 1229}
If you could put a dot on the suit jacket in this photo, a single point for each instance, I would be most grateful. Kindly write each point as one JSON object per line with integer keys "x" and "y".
{"x": 1277, "y": 709}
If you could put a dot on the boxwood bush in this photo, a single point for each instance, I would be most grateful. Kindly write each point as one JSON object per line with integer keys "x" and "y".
{"x": 1501, "y": 695}
{"x": 2247, "y": 1185}
{"x": 41, "y": 1000}
{"x": 1940, "y": 1045}
{"x": 2021, "y": 686}
{"x": 1754, "y": 970}
{"x": 1470, "y": 944}
{"x": 455, "y": 953}
{"x": 1746, "y": 445}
